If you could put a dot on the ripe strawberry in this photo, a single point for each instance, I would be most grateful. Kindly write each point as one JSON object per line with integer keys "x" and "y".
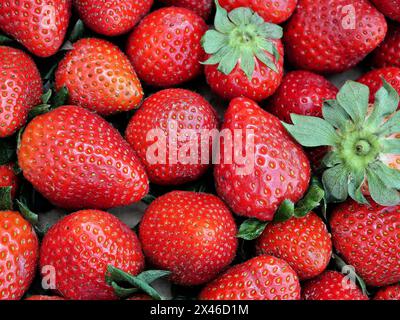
{"x": 390, "y": 8}
{"x": 388, "y": 53}
{"x": 81, "y": 246}
{"x": 181, "y": 110}
{"x": 304, "y": 243}
{"x": 275, "y": 11}
{"x": 281, "y": 169}
{"x": 201, "y": 7}
{"x": 78, "y": 160}
{"x": 20, "y": 90}
{"x": 191, "y": 234}
{"x": 165, "y": 47}
{"x": 245, "y": 55}
{"x": 332, "y": 285}
{"x": 8, "y": 178}
{"x": 99, "y": 77}
{"x": 42, "y": 298}
{"x": 261, "y": 278}
{"x": 19, "y": 250}
{"x": 367, "y": 238}
{"x": 301, "y": 92}
{"x": 388, "y": 293}
{"x": 112, "y": 18}
{"x": 333, "y": 35}
{"x": 39, "y": 25}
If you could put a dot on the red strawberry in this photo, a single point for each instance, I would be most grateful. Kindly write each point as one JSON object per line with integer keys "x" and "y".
{"x": 301, "y": 92}
{"x": 388, "y": 53}
{"x": 275, "y": 11}
{"x": 367, "y": 237}
{"x": 332, "y": 285}
{"x": 189, "y": 111}
{"x": 261, "y": 278}
{"x": 20, "y": 90}
{"x": 8, "y": 178}
{"x": 201, "y": 7}
{"x": 390, "y": 8}
{"x": 99, "y": 77}
{"x": 281, "y": 168}
{"x": 81, "y": 246}
{"x": 19, "y": 250}
{"x": 42, "y": 298}
{"x": 245, "y": 55}
{"x": 140, "y": 296}
{"x": 191, "y": 234}
{"x": 302, "y": 242}
{"x": 165, "y": 47}
{"x": 333, "y": 35}
{"x": 112, "y": 18}
{"x": 78, "y": 160}
{"x": 388, "y": 293}
{"x": 39, "y": 25}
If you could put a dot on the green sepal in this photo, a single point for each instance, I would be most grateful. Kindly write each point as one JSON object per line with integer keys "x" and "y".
{"x": 77, "y": 32}
{"x": 148, "y": 199}
{"x": 251, "y": 229}
{"x": 354, "y": 99}
{"x": 392, "y": 126}
{"x": 285, "y": 211}
{"x": 30, "y": 216}
{"x": 335, "y": 182}
{"x": 5, "y": 198}
{"x": 60, "y": 98}
{"x": 356, "y": 181}
{"x": 4, "y": 39}
{"x": 391, "y": 146}
{"x": 381, "y": 191}
{"x": 331, "y": 159}
{"x": 335, "y": 114}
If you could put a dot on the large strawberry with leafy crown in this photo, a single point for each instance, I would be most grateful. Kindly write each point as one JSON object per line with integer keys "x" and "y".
{"x": 390, "y": 8}
{"x": 201, "y": 7}
{"x": 388, "y": 293}
{"x": 20, "y": 89}
{"x": 78, "y": 160}
{"x": 99, "y": 77}
{"x": 330, "y": 36}
{"x": 245, "y": 55}
{"x": 39, "y": 25}
{"x": 388, "y": 53}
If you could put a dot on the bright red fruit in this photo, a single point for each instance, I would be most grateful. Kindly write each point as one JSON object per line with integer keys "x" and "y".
{"x": 112, "y": 18}
{"x": 367, "y": 237}
{"x": 20, "y": 90}
{"x": 39, "y": 25}
{"x": 44, "y": 298}
{"x": 388, "y": 293}
{"x": 81, "y": 246}
{"x": 390, "y": 8}
{"x": 301, "y": 92}
{"x": 19, "y": 251}
{"x": 99, "y": 77}
{"x": 281, "y": 169}
{"x": 191, "y": 234}
{"x": 78, "y": 160}
{"x": 181, "y": 110}
{"x": 165, "y": 47}
{"x": 8, "y": 178}
{"x": 302, "y": 242}
{"x": 331, "y": 285}
{"x": 331, "y": 36}
{"x": 388, "y": 53}
{"x": 201, "y": 7}
{"x": 260, "y": 278}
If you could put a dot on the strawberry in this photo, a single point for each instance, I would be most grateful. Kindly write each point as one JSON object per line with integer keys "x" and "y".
{"x": 388, "y": 53}
{"x": 140, "y": 296}
{"x": 112, "y": 18}
{"x": 99, "y": 77}
{"x": 275, "y": 11}
{"x": 260, "y": 278}
{"x": 165, "y": 47}
{"x": 8, "y": 178}
{"x": 19, "y": 250}
{"x": 304, "y": 243}
{"x": 301, "y": 92}
{"x": 281, "y": 168}
{"x": 333, "y": 35}
{"x": 191, "y": 234}
{"x": 201, "y": 7}
{"x": 78, "y": 160}
{"x": 80, "y": 247}
{"x": 20, "y": 90}
{"x": 332, "y": 285}
{"x": 388, "y": 293}
{"x": 390, "y": 8}
{"x": 190, "y": 111}
{"x": 245, "y": 55}
{"x": 366, "y": 236}
{"x": 38, "y": 25}
{"x": 43, "y": 298}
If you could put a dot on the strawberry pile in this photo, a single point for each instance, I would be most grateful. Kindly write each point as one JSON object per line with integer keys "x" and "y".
{"x": 118, "y": 179}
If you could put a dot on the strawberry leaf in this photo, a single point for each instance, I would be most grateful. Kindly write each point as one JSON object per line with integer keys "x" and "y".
{"x": 335, "y": 181}
{"x": 33, "y": 218}
{"x": 5, "y": 198}
{"x": 61, "y": 97}
{"x": 312, "y": 199}
{"x": 354, "y": 98}
{"x": 77, "y": 32}
{"x": 380, "y": 190}
{"x": 285, "y": 211}
{"x": 251, "y": 229}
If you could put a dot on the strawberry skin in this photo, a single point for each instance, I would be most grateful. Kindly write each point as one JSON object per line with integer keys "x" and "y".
{"x": 81, "y": 246}
{"x": 261, "y": 278}
{"x": 112, "y": 18}
{"x": 320, "y": 36}
{"x": 304, "y": 243}
{"x": 38, "y": 25}
{"x": 301, "y": 92}
{"x": 8, "y": 178}
{"x": 390, "y": 8}
{"x": 190, "y": 111}
{"x": 191, "y": 234}
{"x": 19, "y": 251}
{"x": 20, "y": 90}
{"x": 78, "y": 160}
{"x": 367, "y": 237}
{"x": 388, "y": 293}
{"x": 331, "y": 285}
{"x": 44, "y": 298}
{"x": 281, "y": 168}
{"x": 99, "y": 77}
{"x": 388, "y": 53}
{"x": 165, "y": 47}
{"x": 201, "y": 7}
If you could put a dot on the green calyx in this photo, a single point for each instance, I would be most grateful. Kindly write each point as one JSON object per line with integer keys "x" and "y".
{"x": 241, "y": 36}
{"x": 358, "y": 141}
